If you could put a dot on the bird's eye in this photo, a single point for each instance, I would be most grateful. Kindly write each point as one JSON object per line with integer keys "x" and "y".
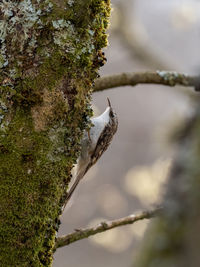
{"x": 111, "y": 114}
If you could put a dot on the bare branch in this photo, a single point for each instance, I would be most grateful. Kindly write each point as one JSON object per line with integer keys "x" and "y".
{"x": 135, "y": 37}
{"x": 102, "y": 227}
{"x": 159, "y": 77}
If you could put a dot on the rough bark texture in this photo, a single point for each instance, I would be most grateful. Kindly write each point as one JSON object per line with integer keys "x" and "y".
{"x": 174, "y": 240}
{"x": 50, "y": 54}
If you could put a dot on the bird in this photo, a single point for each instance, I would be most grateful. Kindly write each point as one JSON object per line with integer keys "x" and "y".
{"x": 94, "y": 143}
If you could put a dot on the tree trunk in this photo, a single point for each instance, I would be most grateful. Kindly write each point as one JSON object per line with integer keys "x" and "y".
{"x": 173, "y": 240}
{"x": 50, "y": 54}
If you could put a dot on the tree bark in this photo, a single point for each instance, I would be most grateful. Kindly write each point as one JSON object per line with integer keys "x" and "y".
{"x": 50, "y": 55}
{"x": 173, "y": 239}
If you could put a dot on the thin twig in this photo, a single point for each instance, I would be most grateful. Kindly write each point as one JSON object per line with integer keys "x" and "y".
{"x": 102, "y": 227}
{"x": 159, "y": 77}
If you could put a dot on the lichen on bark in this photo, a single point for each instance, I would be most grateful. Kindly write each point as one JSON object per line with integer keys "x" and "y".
{"x": 50, "y": 55}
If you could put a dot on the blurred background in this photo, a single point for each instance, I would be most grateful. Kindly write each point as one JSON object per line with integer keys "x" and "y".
{"x": 131, "y": 175}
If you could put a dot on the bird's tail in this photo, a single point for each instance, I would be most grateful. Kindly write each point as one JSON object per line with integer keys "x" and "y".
{"x": 71, "y": 190}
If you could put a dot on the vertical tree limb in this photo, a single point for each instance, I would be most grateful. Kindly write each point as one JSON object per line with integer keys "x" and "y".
{"x": 49, "y": 57}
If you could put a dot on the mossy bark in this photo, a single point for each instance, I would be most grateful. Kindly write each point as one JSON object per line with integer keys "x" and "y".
{"x": 173, "y": 239}
{"x": 50, "y": 55}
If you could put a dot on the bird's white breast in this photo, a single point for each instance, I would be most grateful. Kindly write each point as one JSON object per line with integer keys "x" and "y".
{"x": 99, "y": 123}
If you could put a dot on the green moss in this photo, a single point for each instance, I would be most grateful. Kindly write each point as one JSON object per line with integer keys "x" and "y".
{"x": 31, "y": 190}
{"x": 49, "y": 58}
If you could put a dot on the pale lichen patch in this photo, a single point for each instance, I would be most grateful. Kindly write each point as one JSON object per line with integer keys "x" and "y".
{"x": 70, "y": 3}
{"x": 172, "y": 77}
{"x": 14, "y": 16}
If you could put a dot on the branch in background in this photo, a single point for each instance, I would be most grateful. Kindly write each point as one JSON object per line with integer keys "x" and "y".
{"x": 136, "y": 39}
{"x": 102, "y": 227}
{"x": 159, "y": 77}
